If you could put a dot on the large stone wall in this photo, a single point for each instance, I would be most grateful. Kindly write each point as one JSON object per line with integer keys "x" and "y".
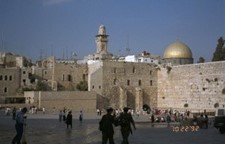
{"x": 111, "y": 81}
{"x": 69, "y": 75}
{"x": 195, "y": 87}
{"x": 73, "y": 100}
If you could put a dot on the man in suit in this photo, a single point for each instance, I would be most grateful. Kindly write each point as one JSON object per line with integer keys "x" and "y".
{"x": 125, "y": 122}
{"x": 106, "y": 126}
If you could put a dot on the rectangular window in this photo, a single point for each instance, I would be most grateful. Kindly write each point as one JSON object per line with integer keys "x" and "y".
{"x": 6, "y": 78}
{"x": 24, "y": 81}
{"x": 93, "y": 87}
{"x": 114, "y": 81}
{"x": 150, "y": 82}
{"x": 10, "y": 78}
{"x": 5, "y": 90}
{"x": 150, "y": 72}
{"x": 84, "y": 76}
{"x": 99, "y": 87}
{"x": 114, "y": 70}
{"x": 139, "y": 82}
{"x": 24, "y": 72}
{"x": 128, "y": 82}
{"x": 134, "y": 70}
{"x": 63, "y": 77}
{"x": 0, "y": 77}
{"x": 69, "y": 78}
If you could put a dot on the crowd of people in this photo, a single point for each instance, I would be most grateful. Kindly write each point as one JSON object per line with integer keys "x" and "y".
{"x": 113, "y": 117}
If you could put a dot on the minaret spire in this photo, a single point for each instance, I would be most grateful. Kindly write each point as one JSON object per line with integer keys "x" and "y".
{"x": 102, "y": 40}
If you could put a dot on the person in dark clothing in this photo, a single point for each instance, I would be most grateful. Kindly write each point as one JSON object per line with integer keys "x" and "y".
{"x": 69, "y": 119}
{"x": 20, "y": 122}
{"x": 125, "y": 122}
{"x": 153, "y": 118}
{"x": 81, "y": 116}
{"x": 106, "y": 126}
{"x": 64, "y": 114}
{"x": 206, "y": 121}
{"x": 14, "y": 113}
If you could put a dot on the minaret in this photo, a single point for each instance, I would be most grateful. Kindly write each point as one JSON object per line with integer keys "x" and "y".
{"x": 102, "y": 41}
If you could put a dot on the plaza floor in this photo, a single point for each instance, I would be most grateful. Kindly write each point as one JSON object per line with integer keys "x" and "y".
{"x": 46, "y": 129}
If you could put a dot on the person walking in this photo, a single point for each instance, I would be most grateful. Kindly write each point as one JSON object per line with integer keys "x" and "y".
{"x": 106, "y": 126}
{"x": 69, "y": 119}
{"x": 64, "y": 115}
{"x": 60, "y": 115}
{"x": 20, "y": 122}
{"x": 126, "y": 120}
{"x": 81, "y": 116}
{"x": 43, "y": 110}
{"x": 168, "y": 120}
{"x": 14, "y": 113}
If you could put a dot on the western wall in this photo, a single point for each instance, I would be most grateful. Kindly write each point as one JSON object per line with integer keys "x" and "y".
{"x": 194, "y": 87}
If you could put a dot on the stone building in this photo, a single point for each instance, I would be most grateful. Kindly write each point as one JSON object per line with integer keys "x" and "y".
{"x": 61, "y": 74}
{"x": 124, "y": 83}
{"x": 9, "y": 82}
{"x": 12, "y": 60}
{"x": 12, "y": 77}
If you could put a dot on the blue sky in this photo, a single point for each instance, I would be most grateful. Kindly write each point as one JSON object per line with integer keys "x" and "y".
{"x": 35, "y": 28}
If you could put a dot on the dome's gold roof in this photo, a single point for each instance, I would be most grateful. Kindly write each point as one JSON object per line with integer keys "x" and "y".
{"x": 177, "y": 50}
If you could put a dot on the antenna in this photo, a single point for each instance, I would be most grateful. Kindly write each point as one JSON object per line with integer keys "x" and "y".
{"x": 63, "y": 54}
{"x": 128, "y": 45}
{"x": 66, "y": 53}
{"x": 51, "y": 50}
{"x": 40, "y": 54}
{"x": 3, "y": 42}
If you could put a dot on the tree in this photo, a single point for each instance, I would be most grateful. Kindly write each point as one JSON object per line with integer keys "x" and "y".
{"x": 219, "y": 53}
{"x": 201, "y": 60}
{"x": 41, "y": 86}
{"x": 82, "y": 86}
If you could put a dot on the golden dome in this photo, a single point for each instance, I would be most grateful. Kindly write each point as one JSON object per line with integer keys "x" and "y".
{"x": 177, "y": 50}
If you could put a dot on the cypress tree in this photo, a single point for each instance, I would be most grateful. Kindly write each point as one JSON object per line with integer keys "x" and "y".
{"x": 219, "y": 53}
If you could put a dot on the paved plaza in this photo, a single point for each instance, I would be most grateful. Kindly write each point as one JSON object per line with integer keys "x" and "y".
{"x": 46, "y": 129}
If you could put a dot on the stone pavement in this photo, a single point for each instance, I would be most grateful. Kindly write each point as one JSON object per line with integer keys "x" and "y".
{"x": 46, "y": 129}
